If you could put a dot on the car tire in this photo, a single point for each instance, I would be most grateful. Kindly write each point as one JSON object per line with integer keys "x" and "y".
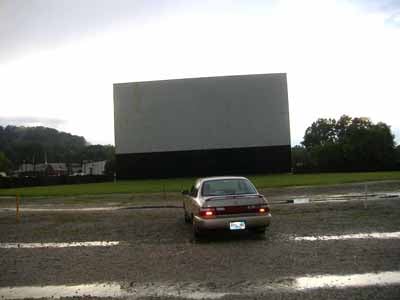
{"x": 197, "y": 233}
{"x": 186, "y": 216}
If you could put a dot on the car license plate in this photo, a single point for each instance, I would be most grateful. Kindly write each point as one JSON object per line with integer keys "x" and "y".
{"x": 237, "y": 225}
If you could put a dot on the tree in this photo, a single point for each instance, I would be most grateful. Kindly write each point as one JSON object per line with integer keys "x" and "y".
{"x": 5, "y": 163}
{"x": 368, "y": 146}
{"x": 98, "y": 152}
{"x": 397, "y": 157}
{"x": 350, "y": 144}
{"x": 320, "y": 133}
{"x": 32, "y": 144}
{"x": 341, "y": 126}
{"x": 35, "y": 144}
{"x": 301, "y": 159}
{"x": 327, "y": 158}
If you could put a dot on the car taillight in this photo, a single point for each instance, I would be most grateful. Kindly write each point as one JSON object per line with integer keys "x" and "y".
{"x": 207, "y": 212}
{"x": 263, "y": 210}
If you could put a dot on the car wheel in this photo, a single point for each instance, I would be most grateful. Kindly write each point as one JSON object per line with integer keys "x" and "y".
{"x": 196, "y": 231}
{"x": 186, "y": 216}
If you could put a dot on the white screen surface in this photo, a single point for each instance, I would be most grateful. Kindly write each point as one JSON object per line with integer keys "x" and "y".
{"x": 201, "y": 113}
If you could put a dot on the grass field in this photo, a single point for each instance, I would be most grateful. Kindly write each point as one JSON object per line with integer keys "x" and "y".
{"x": 177, "y": 184}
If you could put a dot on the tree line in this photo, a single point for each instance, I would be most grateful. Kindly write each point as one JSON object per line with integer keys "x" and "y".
{"x": 329, "y": 145}
{"x": 35, "y": 145}
{"x": 346, "y": 144}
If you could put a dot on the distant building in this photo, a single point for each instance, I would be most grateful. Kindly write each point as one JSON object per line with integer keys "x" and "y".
{"x": 62, "y": 169}
{"x": 75, "y": 168}
{"x": 58, "y": 169}
{"x": 94, "y": 167}
{"x": 41, "y": 168}
{"x": 25, "y": 168}
{"x": 50, "y": 169}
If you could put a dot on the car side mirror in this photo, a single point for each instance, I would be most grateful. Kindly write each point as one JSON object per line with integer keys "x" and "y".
{"x": 185, "y": 192}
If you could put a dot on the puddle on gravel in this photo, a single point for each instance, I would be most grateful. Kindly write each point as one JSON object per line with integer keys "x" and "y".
{"x": 197, "y": 290}
{"x": 59, "y": 245}
{"x": 372, "y": 235}
{"x": 338, "y": 198}
{"x": 344, "y": 281}
{"x": 390, "y": 195}
{"x": 301, "y": 200}
{"x": 114, "y": 290}
{"x": 331, "y": 201}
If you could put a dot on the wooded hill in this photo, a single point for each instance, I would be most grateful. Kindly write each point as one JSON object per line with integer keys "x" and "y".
{"x": 21, "y": 144}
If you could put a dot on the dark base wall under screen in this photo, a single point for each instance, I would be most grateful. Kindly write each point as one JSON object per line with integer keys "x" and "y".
{"x": 193, "y": 163}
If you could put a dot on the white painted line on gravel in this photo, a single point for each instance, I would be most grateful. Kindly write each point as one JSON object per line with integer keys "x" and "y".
{"x": 344, "y": 281}
{"x": 372, "y": 235}
{"x": 83, "y": 209}
{"x": 58, "y": 291}
{"x": 89, "y": 209}
{"x": 195, "y": 290}
{"x": 111, "y": 289}
{"x": 59, "y": 245}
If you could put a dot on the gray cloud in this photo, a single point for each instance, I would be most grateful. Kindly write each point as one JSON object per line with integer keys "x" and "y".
{"x": 31, "y": 121}
{"x": 28, "y": 26}
{"x": 391, "y": 9}
{"x": 378, "y": 5}
{"x": 393, "y": 20}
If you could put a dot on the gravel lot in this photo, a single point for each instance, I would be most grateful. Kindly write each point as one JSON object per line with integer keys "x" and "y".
{"x": 157, "y": 249}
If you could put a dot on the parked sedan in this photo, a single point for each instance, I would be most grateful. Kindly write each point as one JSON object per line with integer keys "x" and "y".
{"x": 230, "y": 203}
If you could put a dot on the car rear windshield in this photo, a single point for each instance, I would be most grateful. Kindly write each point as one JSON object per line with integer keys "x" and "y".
{"x": 227, "y": 187}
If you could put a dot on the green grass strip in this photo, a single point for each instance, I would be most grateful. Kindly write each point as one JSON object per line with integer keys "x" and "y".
{"x": 177, "y": 184}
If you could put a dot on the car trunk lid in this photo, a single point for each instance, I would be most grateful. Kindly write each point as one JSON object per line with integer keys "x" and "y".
{"x": 236, "y": 204}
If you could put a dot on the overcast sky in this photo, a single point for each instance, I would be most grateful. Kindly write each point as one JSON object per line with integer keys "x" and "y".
{"x": 59, "y": 59}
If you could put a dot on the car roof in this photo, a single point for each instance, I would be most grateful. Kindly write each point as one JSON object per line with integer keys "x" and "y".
{"x": 201, "y": 180}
